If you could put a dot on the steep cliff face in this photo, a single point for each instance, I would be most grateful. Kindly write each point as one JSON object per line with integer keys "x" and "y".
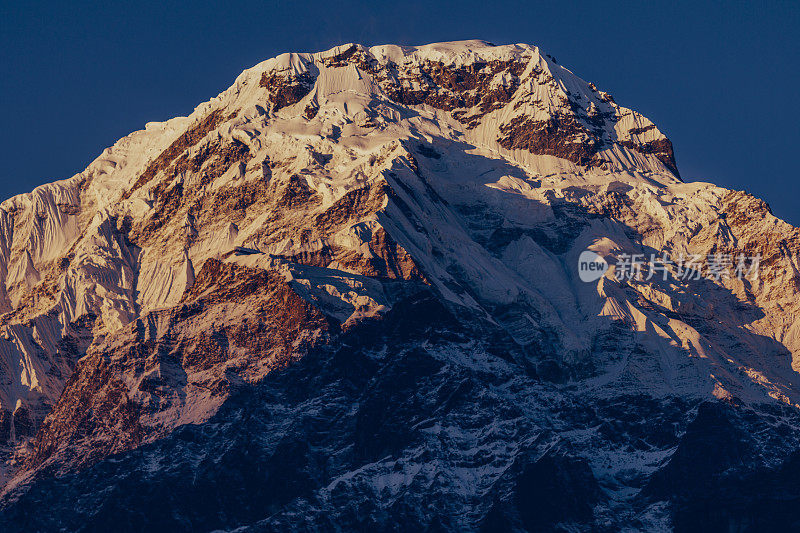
{"x": 347, "y": 289}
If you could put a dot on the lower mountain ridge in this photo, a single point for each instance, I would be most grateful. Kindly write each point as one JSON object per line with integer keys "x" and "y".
{"x": 345, "y": 294}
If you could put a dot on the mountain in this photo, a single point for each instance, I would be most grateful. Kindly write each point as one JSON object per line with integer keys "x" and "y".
{"x": 345, "y": 294}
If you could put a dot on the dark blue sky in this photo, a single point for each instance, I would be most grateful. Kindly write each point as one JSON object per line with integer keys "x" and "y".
{"x": 720, "y": 79}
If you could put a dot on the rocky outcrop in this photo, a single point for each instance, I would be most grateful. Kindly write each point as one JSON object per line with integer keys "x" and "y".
{"x": 456, "y": 88}
{"x": 286, "y": 88}
{"x": 562, "y": 137}
{"x": 661, "y": 148}
{"x": 186, "y": 140}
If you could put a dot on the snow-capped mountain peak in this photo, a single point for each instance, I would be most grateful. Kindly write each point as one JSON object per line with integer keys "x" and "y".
{"x": 414, "y": 211}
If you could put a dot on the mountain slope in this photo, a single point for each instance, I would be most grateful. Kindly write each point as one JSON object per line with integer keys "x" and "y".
{"x": 352, "y": 278}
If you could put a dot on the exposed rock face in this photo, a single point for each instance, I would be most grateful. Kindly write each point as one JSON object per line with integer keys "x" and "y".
{"x": 559, "y": 137}
{"x": 185, "y": 141}
{"x": 234, "y": 321}
{"x": 287, "y": 88}
{"x": 344, "y": 294}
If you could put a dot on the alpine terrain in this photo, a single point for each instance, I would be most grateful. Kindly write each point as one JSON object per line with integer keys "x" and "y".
{"x": 345, "y": 295}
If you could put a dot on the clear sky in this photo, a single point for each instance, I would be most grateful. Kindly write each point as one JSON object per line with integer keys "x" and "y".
{"x": 719, "y": 78}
